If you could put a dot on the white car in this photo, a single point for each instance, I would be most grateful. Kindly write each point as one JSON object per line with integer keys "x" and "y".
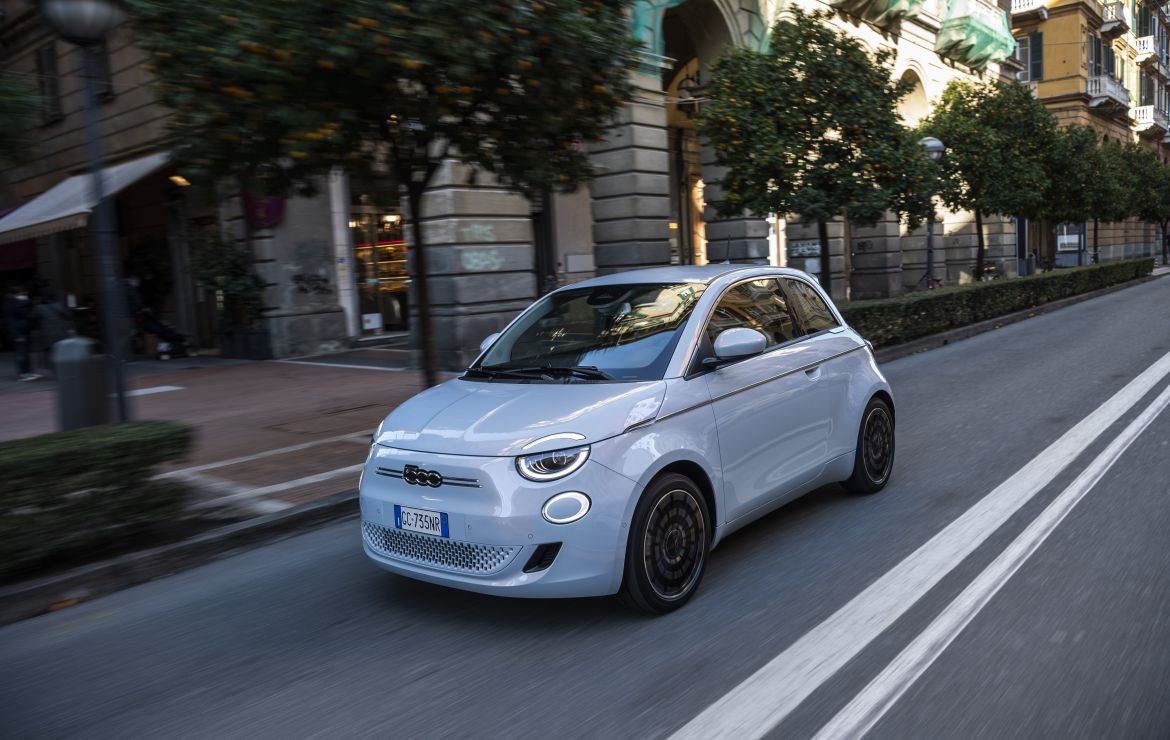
{"x": 620, "y": 428}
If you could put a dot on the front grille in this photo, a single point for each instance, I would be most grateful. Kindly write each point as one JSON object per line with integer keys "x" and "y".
{"x": 437, "y": 552}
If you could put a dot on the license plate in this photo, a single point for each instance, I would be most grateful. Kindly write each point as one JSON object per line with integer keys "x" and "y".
{"x": 421, "y": 520}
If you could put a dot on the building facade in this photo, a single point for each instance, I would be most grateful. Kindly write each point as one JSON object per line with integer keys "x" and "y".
{"x": 335, "y": 266}
{"x": 1104, "y": 65}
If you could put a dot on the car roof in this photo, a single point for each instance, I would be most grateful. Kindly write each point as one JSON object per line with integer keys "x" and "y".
{"x": 679, "y": 273}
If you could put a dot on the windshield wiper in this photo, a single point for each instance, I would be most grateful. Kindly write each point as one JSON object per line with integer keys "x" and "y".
{"x": 504, "y": 372}
{"x": 586, "y": 372}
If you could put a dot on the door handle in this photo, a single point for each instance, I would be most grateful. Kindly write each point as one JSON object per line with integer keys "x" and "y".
{"x": 813, "y": 373}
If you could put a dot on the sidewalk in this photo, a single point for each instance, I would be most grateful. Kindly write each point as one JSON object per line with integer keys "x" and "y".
{"x": 270, "y": 435}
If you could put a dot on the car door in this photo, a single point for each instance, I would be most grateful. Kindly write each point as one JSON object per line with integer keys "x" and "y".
{"x": 837, "y": 358}
{"x": 771, "y": 438}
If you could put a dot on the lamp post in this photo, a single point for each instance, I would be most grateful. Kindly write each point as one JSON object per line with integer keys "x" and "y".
{"x": 934, "y": 149}
{"x": 87, "y": 23}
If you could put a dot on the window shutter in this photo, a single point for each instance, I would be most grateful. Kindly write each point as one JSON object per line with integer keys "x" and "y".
{"x": 1036, "y": 44}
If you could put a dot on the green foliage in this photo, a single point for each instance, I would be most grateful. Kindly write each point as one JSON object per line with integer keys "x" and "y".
{"x": 19, "y": 107}
{"x": 896, "y": 320}
{"x": 1150, "y": 185}
{"x": 1072, "y": 163}
{"x": 809, "y": 126}
{"x": 226, "y": 268}
{"x": 997, "y": 137}
{"x": 1111, "y": 187}
{"x": 70, "y": 492}
{"x": 272, "y": 92}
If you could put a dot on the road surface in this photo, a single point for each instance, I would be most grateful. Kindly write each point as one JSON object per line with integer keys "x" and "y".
{"x": 1013, "y": 581}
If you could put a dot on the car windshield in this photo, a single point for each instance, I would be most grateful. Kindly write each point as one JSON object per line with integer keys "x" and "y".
{"x": 607, "y": 332}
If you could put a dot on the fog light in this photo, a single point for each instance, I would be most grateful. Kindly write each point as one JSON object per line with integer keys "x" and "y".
{"x": 565, "y": 508}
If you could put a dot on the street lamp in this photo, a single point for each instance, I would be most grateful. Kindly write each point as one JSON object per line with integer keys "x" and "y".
{"x": 87, "y": 23}
{"x": 934, "y": 149}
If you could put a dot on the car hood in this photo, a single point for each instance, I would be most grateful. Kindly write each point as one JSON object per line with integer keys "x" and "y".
{"x": 494, "y": 419}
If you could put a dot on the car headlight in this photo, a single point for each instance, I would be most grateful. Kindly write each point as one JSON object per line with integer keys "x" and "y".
{"x": 552, "y": 465}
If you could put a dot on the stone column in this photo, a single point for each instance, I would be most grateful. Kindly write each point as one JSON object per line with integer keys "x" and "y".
{"x": 295, "y": 260}
{"x": 478, "y": 237}
{"x": 738, "y": 239}
{"x": 802, "y": 235}
{"x": 877, "y": 260}
{"x": 631, "y": 183}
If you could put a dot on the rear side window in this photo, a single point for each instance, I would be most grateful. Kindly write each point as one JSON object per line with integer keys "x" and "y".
{"x": 812, "y": 313}
{"x": 755, "y": 304}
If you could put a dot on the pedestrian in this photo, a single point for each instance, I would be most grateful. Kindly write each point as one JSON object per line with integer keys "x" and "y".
{"x": 19, "y": 318}
{"x": 53, "y": 322}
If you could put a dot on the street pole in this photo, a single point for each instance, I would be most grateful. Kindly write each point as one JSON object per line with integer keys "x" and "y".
{"x": 930, "y": 249}
{"x": 113, "y": 304}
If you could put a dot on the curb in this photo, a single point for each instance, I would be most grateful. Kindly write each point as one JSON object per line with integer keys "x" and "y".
{"x": 934, "y": 341}
{"x": 31, "y": 598}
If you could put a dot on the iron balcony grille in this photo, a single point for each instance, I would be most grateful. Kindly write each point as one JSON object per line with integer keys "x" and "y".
{"x": 437, "y": 552}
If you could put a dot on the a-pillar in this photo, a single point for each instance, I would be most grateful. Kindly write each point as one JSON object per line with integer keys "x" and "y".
{"x": 631, "y": 182}
{"x": 478, "y": 239}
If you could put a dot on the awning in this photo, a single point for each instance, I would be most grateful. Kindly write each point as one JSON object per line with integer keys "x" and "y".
{"x": 68, "y": 204}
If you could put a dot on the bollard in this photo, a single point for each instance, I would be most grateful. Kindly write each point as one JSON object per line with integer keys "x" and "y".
{"x": 82, "y": 383}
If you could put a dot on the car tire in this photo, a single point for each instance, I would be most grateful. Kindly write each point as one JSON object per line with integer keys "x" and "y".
{"x": 874, "y": 460}
{"x": 670, "y": 537}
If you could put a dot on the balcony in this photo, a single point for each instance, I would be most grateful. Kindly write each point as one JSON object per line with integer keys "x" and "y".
{"x": 1147, "y": 49}
{"x": 1115, "y": 20}
{"x": 975, "y": 35}
{"x": 1150, "y": 121}
{"x": 1107, "y": 94}
{"x": 881, "y": 13}
{"x": 1025, "y": 9}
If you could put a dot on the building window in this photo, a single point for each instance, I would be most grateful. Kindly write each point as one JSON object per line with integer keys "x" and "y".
{"x": 1030, "y": 53}
{"x": 49, "y": 83}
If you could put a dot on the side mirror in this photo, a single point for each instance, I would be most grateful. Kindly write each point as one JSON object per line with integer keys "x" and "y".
{"x": 733, "y": 344}
{"x": 488, "y": 341}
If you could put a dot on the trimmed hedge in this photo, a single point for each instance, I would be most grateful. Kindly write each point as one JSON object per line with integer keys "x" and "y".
{"x": 69, "y": 492}
{"x": 895, "y": 320}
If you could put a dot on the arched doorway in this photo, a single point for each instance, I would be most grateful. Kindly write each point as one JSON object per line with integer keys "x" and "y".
{"x": 694, "y": 34}
{"x": 653, "y": 180}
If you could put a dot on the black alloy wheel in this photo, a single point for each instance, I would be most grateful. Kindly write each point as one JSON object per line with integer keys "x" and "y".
{"x": 669, "y": 540}
{"x": 875, "y": 449}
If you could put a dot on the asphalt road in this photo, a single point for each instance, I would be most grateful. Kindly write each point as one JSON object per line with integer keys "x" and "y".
{"x": 303, "y": 638}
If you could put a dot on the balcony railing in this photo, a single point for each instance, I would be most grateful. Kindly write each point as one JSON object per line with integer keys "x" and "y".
{"x": 881, "y": 13}
{"x": 1024, "y": 7}
{"x": 1106, "y": 91}
{"x": 1150, "y": 120}
{"x": 975, "y": 34}
{"x": 1115, "y": 20}
{"x": 1147, "y": 48}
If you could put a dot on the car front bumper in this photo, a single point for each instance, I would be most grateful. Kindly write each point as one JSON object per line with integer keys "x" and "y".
{"x": 495, "y": 526}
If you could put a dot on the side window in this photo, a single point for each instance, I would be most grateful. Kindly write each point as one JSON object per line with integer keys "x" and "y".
{"x": 811, "y": 311}
{"x": 756, "y": 304}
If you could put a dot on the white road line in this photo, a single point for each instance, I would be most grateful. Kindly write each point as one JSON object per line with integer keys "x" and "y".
{"x": 154, "y": 389}
{"x": 869, "y": 706}
{"x": 350, "y": 437}
{"x": 348, "y": 367}
{"x": 765, "y": 698}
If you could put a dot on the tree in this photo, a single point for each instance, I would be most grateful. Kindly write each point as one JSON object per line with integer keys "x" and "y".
{"x": 997, "y": 136}
{"x": 807, "y": 127}
{"x": 1111, "y": 188}
{"x": 1151, "y": 192}
{"x": 19, "y": 106}
{"x": 273, "y": 94}
{"x": 1071, "y": 166}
